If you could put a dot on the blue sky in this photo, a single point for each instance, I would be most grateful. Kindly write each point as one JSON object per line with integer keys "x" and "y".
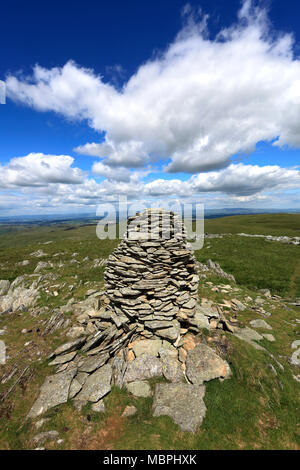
{"x": 198, "y": 101}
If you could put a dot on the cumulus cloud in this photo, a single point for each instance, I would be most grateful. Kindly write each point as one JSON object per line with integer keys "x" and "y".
{"x": 129, "y": 154}
{"x": 245, "y": 180}
{"x": 239, "y": 180}
{"x": 194, "y": 106}
{"x": 235, "y": 185}
{"x": 118, "y": 174}
{"x": 37, "y": 169}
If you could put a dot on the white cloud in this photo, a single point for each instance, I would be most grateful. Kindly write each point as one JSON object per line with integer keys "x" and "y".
{"x": 246, "y": 180}
{"x": 237, "y": 185}
{"x": 239, "y": 180}
{"x": 37, "y": 169}
{"x": 194, "y": 106}
{"x": 117, "y": 174}
{"x": 129, "y": 154}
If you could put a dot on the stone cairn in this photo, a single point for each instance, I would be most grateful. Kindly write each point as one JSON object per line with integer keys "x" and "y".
{"x": 151, "y": 278}
{"x": 148, "y": 322}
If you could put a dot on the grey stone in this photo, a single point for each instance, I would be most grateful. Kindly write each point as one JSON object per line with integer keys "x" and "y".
{"x": 203, "y": 364}
{"x": 81, "y": 377}
{"x": 99, "y": 407}
{"x": 54, "y": 391}
{"x": 119, "y": 366}
{"x": 182, "y": 402}
{"x": 76, "y": 332}
{"x": 265, "y": 292}
{"x": 45, "y": 436}
{"x": 2, "y": 353}
{"x": 158, "y": 325}
{"x": 4, "y": 286}
{"x": 171, "y": 367}
{"x": 129, "y": 411}
{"x": 42, "y": 265}
{"x": 74, "y": 388}
{"x": 250, "y": 336}
{"x": 207, "y": 311}
{"x": 147, "y": 346}
{"x": 97, "y": 385}
{"x": 238, "y": 304}
{"x": 139, "y": 388}
{"x": 260, "y": 324}
{"x": 38, "y": 254}
{"x": 93, "y": 363}
{"x": 68, "y": 347}
{"x": 295, "y": 359}
{"x": 19, "y": 297}
{"x": 41, "y": 422}
{"x": 143, "y": 367}
{"x": 295, "y": 344}
{"x": 268, "y": 337}
{"x": 201, "y": 320}
{"x": 62, "y": 359}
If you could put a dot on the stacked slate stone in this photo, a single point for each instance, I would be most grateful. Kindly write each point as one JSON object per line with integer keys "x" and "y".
{"x": 151, "y": 278}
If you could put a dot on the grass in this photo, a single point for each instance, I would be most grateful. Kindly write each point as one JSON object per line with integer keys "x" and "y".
{"x": 262, "y": 224}
{"x": 255, "y": 409}
{"x": 256, "y": 263}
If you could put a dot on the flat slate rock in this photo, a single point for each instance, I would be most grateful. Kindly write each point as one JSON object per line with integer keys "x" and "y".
{"x": 182, "y": 402}
{"x": 201, "y": 320}
{"x": 143, "y": 367}
{"x": 68, "y": 347}
{"x": 63, "y": 358}
{"x": 75, "y": 388}
{"x": 147, "y": 346}
{"x": 260, "y": 324}
{"x": 93, "y": 363}
{"x": 203, "y": 364}
{"x": 250, "y": 336}
{"x": 139, "y": 388}
{"x": 54, "y": 391}
{"x": 97, "y": 385}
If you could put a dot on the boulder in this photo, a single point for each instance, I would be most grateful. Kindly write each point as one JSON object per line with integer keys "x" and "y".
{"x": 53, "y": 392}
{"x": 139, "y": 388}
{"x": 203, "y": 364}
{"x": 97, "y": 385}
{"x": 143, "y": 367}
{"x": 250, "y": 336}
{"x": 182, "y": 402}
{"x": 260, "y": 324}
